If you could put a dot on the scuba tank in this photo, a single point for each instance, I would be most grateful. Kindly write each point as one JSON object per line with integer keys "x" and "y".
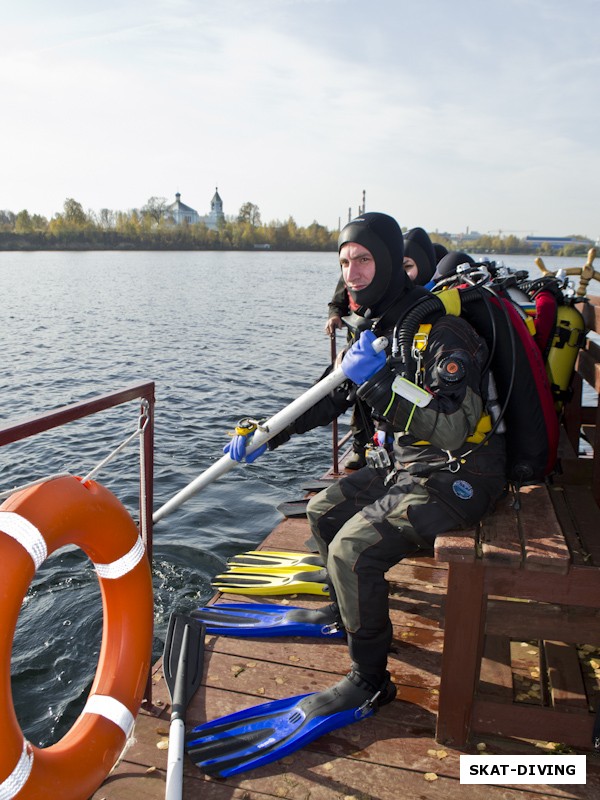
{"x": 560, "y": 333}
{"x": 568, "y": 339}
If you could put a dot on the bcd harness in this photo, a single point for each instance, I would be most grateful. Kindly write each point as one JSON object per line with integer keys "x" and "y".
{"x": 514, "y": 361}
{"x": 420, "y": 341}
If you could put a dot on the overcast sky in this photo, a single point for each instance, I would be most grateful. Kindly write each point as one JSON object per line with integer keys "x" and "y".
{"x": 451, "y": 115}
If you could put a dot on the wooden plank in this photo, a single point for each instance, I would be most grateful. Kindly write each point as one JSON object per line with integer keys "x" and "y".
{"x": 500, "y": 542}
{"x": 414, "y": 660}
{"x": 417, "y": 575}
{"x": 574, "y": 471}
{"x": 581, "y": 587}
{"x": 572, "y": 413}
{"x": 496, "y": 674}
{"x": 560, "y": 501}
{"x": 529, "y": 620}
{"x": 564, "y": 676}
{"x": 596, "y": 469}
{"x": 589, "y": 368}
{"x": 459, "y": 546}
{"x": 572, "y": 727}
{"x": 290, "y": 534}
{"x": 527, "y": 674}
{"x": 463, "y": 646}
{"x": 585, "y": 519}
{"x": 416, "y": 605}
{"x": 398, "y": 738}
{"x": 543, "y": 540}
{"x": 591, "y": 313}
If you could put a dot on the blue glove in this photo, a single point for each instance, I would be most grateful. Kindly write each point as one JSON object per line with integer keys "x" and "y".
{"x": 237, "y": 449}
{"x": 361, "y": 362}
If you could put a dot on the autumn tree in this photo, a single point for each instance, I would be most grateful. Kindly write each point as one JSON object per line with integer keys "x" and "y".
{"x": 155, "y": 208}
{"x": 249, "y": 213}
{"x": 73, "y": 213}
{"x": 23, "y": 222}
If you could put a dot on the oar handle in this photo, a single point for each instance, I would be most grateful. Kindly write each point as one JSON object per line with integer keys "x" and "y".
{"x": 274, "y": 425}
{"x": 175, "y": 760}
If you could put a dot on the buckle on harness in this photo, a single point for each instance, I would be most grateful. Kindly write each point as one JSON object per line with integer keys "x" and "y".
{"x": 377, "y": 457}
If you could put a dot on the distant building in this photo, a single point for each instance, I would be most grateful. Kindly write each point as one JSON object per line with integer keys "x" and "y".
{"x": 557, "y": 242}
{"x": 180, "y": 213}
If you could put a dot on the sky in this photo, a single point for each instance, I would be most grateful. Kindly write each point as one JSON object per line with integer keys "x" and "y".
{"x": 453, "y": 116}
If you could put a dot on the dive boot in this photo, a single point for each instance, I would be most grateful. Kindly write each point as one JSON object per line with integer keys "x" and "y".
{"x": 265, "y": 733}
{"x": 357, "y": 460}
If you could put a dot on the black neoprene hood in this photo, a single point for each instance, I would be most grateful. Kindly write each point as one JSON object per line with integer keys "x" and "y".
{"x": 382, "y": 237}
{"x": 418, "y": 246}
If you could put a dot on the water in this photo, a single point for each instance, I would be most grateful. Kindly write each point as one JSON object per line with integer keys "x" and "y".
{"x": 223, "y": 335}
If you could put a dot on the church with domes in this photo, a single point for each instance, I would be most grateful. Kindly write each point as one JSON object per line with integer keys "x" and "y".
{"x": 182, "y": 214}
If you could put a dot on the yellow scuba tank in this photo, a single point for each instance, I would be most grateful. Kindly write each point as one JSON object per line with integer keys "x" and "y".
{"x": 568, "y": 339}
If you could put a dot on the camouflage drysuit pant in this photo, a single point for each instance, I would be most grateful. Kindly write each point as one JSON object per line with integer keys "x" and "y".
{"x": 362, "y": 528}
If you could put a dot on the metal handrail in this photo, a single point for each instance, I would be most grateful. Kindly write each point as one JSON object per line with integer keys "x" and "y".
{"x": 335, "y": 445}
{"x": 336, "y": 442}
{"x": 23, "y": 429}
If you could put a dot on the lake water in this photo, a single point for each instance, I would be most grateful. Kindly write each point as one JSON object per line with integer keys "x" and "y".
{"x": 223, "y": 335}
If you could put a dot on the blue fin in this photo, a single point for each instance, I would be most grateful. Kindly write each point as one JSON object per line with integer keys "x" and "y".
{"x": 268, "y": 619}
{"x": 265, "y": 733}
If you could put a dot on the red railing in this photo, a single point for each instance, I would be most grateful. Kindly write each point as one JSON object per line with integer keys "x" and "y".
{"x": 22, "y": 429}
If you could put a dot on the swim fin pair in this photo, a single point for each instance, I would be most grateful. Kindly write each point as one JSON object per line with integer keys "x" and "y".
{"x": 270, "y": 620}
{"x": 265, "y": 733}
{"x": 273, "y": 572}
{"x": 275, "y": 559}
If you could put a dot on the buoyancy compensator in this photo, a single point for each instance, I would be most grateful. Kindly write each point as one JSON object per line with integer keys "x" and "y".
{"x": 517, "y": 366}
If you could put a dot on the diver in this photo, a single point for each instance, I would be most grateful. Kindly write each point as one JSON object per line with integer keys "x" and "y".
{"x": 420, "y": 261}
{"x": 429, "y": 470}
{"x": 420, "y": 258}
{"x": 448, "y": 265}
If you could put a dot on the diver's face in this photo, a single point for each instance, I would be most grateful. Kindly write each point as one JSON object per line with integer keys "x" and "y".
{"x": 358, "y": 266}
{"x": 410, "y": 267}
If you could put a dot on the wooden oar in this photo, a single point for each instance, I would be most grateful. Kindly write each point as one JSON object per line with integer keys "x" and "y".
{"x": 267, "y": 430}
{"x": 183, "y": 662}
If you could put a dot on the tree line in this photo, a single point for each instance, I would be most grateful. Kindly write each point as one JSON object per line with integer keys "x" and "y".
{"x": 153, "y": 228}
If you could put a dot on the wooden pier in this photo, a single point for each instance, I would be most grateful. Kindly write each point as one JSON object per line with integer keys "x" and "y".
{"x": 386, "y": 757}
{"x": 394, "y": 755}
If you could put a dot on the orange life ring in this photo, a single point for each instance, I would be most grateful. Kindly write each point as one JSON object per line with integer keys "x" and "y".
{"x": 35, "y": 522}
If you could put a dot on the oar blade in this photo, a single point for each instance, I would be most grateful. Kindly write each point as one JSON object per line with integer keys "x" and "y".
{"x": 193, "y": 655}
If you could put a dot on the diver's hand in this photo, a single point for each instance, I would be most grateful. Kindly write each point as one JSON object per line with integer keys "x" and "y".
{"x": 333, "y": 324}
{"x": 361, "y": 361}
{"x": 237, "y": 449}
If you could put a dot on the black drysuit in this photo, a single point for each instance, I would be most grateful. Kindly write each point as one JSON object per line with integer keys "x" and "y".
{"x": 368, "y": 521}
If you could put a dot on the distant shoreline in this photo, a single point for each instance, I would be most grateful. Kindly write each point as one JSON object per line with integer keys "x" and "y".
{"x": 129, "y": 248}
{"x": 132, "y": 249}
